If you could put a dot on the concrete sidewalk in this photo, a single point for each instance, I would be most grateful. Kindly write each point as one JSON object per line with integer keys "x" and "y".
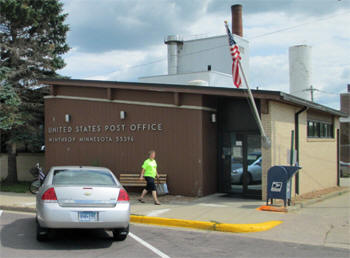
{"x": 219, "y": 208}
{"x": 216, "y": 207}
{"x": 322, "y": 221}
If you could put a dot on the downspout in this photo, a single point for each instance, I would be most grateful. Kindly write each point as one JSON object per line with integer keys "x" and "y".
{"x": 296, "y": 125}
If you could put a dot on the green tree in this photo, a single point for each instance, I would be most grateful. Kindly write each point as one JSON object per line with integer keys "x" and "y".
{"x": 10, "y": 115}
{"x": 32, "y": 42}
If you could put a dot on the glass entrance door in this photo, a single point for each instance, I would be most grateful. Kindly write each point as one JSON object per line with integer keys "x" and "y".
{"x": 242, "y": 163}
{"x": 254, "y": 165}
{"x": 237, "y": 162}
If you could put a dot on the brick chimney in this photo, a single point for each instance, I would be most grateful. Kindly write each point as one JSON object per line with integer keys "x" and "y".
{"x": 237, "y": 25}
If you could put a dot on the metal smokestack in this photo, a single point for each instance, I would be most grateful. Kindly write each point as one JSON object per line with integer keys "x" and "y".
{"x": 173, "y": 42}
{"x": 237, "y": 25}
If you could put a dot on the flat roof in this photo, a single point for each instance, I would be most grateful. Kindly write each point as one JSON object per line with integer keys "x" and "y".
{"x": 204, "y": 90}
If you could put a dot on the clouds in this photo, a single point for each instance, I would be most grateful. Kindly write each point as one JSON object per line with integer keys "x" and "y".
{"x": 115, "y": 65}
{"x": 112, "y": 39}
{"x": 290, "y": 7}
{"x": 100, "y": 26}
{"x": 328, "y": 36}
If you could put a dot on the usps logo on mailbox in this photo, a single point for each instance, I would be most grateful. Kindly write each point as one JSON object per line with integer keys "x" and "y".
{"x": 276, "y": 186}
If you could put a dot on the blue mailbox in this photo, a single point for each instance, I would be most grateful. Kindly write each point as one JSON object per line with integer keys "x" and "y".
{"x": 279, "y": 183}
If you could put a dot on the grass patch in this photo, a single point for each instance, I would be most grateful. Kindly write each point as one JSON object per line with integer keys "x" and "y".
{"x": 19, "y": 187}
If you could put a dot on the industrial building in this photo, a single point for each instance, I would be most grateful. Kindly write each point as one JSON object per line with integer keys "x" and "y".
{"x": 204, "y": 61}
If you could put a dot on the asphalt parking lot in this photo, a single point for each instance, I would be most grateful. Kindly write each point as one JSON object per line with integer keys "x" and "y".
{"x": 18, "y": 240}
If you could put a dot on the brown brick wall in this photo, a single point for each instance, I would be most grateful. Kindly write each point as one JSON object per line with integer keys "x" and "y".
{"x": 345, "y": 103}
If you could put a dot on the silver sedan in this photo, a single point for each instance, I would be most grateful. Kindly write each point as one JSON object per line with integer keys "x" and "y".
{"x": 82, "y": 197}
{"x": 254, "y": 173}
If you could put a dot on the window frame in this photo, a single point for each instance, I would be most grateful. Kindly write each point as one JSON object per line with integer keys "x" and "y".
{"x": 319, "y": 129}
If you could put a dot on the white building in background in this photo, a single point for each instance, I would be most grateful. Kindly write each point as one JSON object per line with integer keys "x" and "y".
{"x": 203, "y": 61}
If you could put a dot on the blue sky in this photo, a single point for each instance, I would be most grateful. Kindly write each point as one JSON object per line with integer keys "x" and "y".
{"x": 122, "y": 40}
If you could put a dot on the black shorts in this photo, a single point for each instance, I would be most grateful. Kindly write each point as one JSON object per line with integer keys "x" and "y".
{"x": 150, "y": 183}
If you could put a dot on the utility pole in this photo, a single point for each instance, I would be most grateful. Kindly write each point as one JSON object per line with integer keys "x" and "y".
{"x": 312, "y": 90}
{"x": 312, "y": 93}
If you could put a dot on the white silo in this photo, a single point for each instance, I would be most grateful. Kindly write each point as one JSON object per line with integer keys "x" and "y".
{"x": 300, "y": 71}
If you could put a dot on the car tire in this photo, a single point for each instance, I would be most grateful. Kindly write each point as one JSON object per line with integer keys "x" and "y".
{"x": 120, "y": 234}
{"x": 42, "y": 234}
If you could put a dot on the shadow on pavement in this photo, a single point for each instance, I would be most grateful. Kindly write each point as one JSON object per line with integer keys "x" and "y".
{"x": 21, "y": 234}
{"x": 249, "y": 206}
{"x": 254, "y": 197}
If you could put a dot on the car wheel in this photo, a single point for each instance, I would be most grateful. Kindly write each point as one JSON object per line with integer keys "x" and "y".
{"x": 120, "y": 234}
{"x": 42, "y": 234}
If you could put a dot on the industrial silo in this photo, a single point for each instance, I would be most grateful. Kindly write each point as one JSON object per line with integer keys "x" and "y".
{"x": 300, "y": 71}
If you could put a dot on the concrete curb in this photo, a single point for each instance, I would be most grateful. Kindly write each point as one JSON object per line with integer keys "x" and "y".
{"x": 214, "y": 226}
{"x": 17, "y": 208}
{"x": 307, "y": 203}
{"x": 203, "y": 225}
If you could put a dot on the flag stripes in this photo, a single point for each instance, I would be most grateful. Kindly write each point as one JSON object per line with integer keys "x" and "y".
{"x": 236, "y": 57}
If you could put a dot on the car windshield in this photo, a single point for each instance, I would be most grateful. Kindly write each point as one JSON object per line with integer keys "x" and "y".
{"x": 252, "y": 157}
{"x": 83, "y": 177}
{"x": 257, "y": 162}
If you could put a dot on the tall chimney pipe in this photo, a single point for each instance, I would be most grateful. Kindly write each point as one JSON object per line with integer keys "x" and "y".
{"x": 236, "y": 13}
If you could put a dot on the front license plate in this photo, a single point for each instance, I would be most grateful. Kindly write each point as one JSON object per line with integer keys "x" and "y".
{"x": 87, "y": 216}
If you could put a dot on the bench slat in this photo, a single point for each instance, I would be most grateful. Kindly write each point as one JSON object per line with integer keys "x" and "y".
{"x": 136, "y": 176}
{"x": 134, "y": 179}
{"x": 142, "y": 181}
{"x": 138, "y": 180}
{"x": 134, "y": 184}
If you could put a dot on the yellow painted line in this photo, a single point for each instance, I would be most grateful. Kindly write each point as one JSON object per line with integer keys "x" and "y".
{"x": 204, "y": 225}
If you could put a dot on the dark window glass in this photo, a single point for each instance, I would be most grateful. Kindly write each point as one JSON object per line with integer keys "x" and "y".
{"x": 83, "y": 177}
{"x": 322, "y": 130}
{"x": 319, "y": 129}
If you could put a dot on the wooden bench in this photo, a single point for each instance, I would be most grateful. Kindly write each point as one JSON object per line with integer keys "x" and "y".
{"x": 134, "y": 180}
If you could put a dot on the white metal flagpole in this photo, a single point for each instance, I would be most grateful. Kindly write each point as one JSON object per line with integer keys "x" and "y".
{"x": 266, "y": 140}
{"x": 235, "y": 55}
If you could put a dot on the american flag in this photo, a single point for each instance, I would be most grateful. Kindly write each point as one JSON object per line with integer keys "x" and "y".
{"x": 235, "y": 58}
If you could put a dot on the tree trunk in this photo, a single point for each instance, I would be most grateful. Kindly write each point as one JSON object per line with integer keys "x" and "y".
{"x": 12, "y": 165}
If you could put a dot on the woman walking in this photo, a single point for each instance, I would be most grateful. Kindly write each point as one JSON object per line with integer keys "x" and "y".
{"x": 149, "y": 172}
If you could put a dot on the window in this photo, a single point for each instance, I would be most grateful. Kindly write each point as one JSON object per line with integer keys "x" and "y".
{"x": 318, "y": 129}
{"x": 82, "y": 178}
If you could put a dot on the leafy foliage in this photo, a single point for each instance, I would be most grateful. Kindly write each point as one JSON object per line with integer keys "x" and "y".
{"x": 32, "y": 42}
{"x": 10, "y": 102}
{"x": 32, "y": 39}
